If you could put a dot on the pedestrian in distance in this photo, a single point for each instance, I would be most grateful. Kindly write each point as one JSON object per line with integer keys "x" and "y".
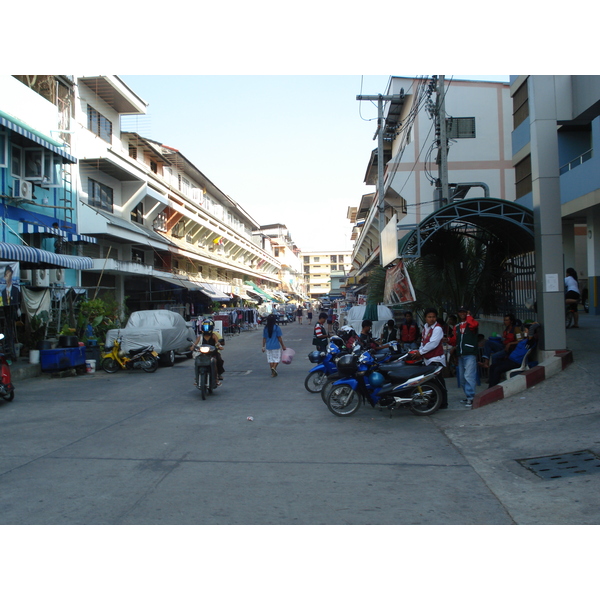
{"x": 464, "y": 339}
{"x": 409, "y": 332}
{"x": 272, "y": 343}
{"x": 299, "y": 314}
{"x": 572, "y": 294}
{"x": 309, "y": 315}
{"x": 390, "y": 333}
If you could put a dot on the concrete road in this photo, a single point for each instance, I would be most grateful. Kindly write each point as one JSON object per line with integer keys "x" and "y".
{"x": 138, "y": 448}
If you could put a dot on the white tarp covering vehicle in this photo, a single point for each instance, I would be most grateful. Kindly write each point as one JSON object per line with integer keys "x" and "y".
{"x": 167, "y": 331}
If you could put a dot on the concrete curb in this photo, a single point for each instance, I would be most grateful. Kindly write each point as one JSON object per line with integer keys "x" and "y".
{"x": 551, "y": 366}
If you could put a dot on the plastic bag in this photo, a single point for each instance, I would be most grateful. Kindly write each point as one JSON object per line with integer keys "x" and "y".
{"x": 287, "y": 355}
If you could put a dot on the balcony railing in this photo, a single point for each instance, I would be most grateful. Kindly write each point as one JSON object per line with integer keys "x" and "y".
{"x": 576, "y": 161}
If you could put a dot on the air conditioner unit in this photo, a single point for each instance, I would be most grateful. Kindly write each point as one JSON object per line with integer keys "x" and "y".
{"x": 57, "y": 276}
{"x": 22, "y": 189}
{"x": 40, "y": 277}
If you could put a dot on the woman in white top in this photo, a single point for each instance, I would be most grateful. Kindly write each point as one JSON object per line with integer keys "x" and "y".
{"x": 572, "y": 293}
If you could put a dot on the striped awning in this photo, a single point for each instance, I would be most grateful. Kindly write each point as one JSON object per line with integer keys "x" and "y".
{"x": 35, "y": 136}
{"x": 212, "y": 293}
{"x": 43, "y": 258}
{"x": 66, "y": 235}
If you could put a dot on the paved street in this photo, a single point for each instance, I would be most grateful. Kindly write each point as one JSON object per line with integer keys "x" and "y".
{"x": 137, "y": 448}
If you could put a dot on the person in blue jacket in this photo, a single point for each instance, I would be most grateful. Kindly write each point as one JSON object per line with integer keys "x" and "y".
{"x": 515, "y": 358}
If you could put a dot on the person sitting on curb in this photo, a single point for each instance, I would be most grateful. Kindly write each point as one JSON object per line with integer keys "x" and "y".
{"x": 515, "y": 359}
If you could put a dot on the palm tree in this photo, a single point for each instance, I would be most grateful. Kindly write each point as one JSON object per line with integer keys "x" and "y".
{"x": 456, "y": 269}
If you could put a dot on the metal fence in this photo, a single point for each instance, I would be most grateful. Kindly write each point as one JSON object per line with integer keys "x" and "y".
{"x": 516, "y": 290}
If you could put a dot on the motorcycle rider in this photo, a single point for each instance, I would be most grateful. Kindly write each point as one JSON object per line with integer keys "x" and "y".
{"x": 208, "y": 336}
{"x": 431, "y": 349}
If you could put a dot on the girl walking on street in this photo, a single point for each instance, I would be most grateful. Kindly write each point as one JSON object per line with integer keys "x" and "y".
{"x": 272, "y": 343}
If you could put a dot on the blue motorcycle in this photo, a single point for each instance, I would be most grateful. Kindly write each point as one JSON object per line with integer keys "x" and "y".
{"x": 387, "y": 355}
{"x": 325, "y": 364}
{"x": 393, "y": 385}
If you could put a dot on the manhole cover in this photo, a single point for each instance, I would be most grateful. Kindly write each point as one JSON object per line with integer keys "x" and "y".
{"x": 583, "y": 462}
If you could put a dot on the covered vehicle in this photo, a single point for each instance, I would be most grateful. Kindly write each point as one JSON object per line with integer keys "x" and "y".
{"x": 167, "y": 331}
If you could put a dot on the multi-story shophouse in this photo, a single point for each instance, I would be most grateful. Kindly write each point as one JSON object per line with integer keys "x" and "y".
{"x": 318, "y": 267}
{"x": 478, "y": 118}
{"x": 288, "y": 253}
{"x": 554, "y": 140}
{"x": 167, "y": 235}
{"x": 40, "y": 244}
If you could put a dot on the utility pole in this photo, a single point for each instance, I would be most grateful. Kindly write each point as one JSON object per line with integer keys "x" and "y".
{"x": 380, "y": 166}
{"x": 442, "y": 140}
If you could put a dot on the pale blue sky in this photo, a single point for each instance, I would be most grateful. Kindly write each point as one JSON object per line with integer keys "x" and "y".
{"x": 290, "y": 149}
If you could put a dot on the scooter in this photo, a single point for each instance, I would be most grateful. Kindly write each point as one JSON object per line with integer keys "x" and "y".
{"x": 7, "y": 389}
{"x": 391, "y": 386}
{"x": 140, "y": 358}
{"x": 380, "y": 357}
{"x": 325, "y": 364}
{"x": 205, "y": 369}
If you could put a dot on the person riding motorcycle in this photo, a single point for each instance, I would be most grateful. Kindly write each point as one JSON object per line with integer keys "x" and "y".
{"x": 208, "y": 336}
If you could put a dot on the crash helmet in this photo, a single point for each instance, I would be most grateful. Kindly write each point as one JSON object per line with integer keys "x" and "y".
{"x": 337, "y": 340}
{"x": 412, "y": 358}
{"x": 376, "y": 379}
{"x": 208, "y": 326}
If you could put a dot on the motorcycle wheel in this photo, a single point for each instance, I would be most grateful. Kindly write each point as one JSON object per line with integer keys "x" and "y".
{"x": 110, "y": 365}
{"x": 314, "y": 381}
{"x": 9, "y": 397}
{"x": 427, "y": 403}
{"x": 153, "y": 366}
{"x": 343, "y": 401}
{"x": 202, "y": 385}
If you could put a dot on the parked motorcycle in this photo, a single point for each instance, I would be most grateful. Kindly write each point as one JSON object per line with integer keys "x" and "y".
{"x": 139, "y": 358}
{"x": 325, "y": 364}
{"x": 7, "y": 389}
{"x": 394, "y": 385}
{"x": 380, "y": 357}
{"x": 205, "y": 369}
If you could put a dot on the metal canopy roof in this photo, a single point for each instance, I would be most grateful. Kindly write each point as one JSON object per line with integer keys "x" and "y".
{"x": 508, "y": 221}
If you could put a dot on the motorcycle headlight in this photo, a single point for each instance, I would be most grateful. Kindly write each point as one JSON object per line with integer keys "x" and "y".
{"x": 204, "y": 349}
{"x": 121, "y": 353}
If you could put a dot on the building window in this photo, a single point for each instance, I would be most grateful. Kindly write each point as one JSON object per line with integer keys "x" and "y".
{"x": 306, "y": 259}
{"x": 523, "y": 177}
{"x": 100, "y": 195}
{"x": 132, "y": 152}
{"x": 461, "y": 127}
{"x": 137, "y": 256}
{"x": 99, "y": 124}
{"x": 307, "y": 269}
{"x": 153, "y": 167}
{"x": 137, "y": 214}
{"x": 276, "y": 251}
{"x": 16, "y": 161}
{"x": 315, "y": 259}
{"x": 3, "y": 150}
{"x": 520, "y": 105}
{"x": 333, "y": 258}
{"x": 341, "y": 258}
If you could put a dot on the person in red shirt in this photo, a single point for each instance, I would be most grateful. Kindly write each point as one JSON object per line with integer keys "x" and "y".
{"x": 409, "y": 333}
{"x": 498, "y": 350}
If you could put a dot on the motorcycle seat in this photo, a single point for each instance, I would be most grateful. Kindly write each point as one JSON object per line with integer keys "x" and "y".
{"x": 139, "y": 350}
{"x": 402, "y": 371}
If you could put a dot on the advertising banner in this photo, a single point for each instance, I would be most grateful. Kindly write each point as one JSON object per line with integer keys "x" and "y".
{"x": 398, "y": 287}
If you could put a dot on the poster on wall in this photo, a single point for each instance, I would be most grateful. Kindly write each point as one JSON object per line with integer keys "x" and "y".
{"x": 10, "y": 277}
{"x": 398, "y": 287}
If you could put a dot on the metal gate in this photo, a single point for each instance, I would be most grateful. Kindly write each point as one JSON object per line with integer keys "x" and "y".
{"x": 516, "y": 290}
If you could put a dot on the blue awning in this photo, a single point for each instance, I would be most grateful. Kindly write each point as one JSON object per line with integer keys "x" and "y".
{"x": 35, "y": 136}
{"x": 66, "y": 235}
{"x": 21, "y": 253}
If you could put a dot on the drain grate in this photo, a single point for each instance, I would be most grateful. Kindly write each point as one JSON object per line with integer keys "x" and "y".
{"x": 583, "y": 462}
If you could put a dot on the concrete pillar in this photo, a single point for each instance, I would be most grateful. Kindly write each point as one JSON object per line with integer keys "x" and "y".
{"x": 546, "y": 211}
{"x": 568, "y": 235}
{"x": 593, "y": 258}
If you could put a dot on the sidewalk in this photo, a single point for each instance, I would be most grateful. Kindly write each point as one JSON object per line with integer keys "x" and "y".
{"x": 581, "y": 347}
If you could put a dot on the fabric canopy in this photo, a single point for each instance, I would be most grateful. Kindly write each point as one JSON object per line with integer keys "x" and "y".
{"x": 43, "y": 258}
